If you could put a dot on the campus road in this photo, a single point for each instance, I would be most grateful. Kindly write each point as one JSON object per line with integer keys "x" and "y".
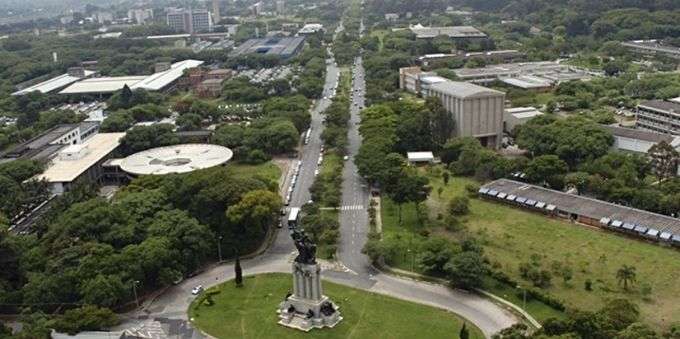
{"x": 353, "y": 268}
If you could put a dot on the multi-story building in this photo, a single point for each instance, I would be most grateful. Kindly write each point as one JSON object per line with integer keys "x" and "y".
{"x": 280, "y": 7}
{"x": 217, "y": 17}
{"x": 477, "y": 111}
{"x": 659, "y": 116}
{"x": 140, "y": 16}
{"x": 190, "y": 21}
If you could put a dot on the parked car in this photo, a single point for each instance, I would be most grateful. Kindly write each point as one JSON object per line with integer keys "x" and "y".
{"x": 196, "y": 290}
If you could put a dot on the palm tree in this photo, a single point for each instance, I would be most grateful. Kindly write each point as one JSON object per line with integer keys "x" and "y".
{"x": 626, "y": 275}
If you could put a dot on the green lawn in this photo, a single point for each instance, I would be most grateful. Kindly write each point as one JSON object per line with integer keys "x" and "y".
{"x": 250, "y": 312}
{"x": 511, "y": 236}
{"x": 267, "y": 170}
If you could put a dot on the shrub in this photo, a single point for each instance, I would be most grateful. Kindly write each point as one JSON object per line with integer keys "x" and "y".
{"x": 459, "y": 206}
{"x": 472, "y": 189}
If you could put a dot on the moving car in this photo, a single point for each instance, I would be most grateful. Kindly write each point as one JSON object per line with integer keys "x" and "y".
{"x": 196, "y": 290}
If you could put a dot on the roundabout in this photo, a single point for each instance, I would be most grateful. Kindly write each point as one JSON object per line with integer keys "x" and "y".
{"x": 250, "y": 312}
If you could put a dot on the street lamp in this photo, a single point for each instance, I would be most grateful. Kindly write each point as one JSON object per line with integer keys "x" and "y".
{"x": 134, "y": 290}
{"x": 413, "y": 258}
{"x": 525, "y": 297}
{"x": 219, "y": 248}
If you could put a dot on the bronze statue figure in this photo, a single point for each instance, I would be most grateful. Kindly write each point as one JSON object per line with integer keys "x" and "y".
{"x": 306, "y": 249}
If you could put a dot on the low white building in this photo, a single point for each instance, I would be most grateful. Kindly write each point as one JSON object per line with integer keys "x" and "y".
{"x": 310, "y": 29}
{"x": 80, "y": 162}
{"x": 516, "y": 116}
{"x": 639, "y": 140}
{"x": 420, "y": 157}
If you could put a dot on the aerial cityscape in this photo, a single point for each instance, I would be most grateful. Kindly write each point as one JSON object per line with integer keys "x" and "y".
{"x": 218, "y": 169}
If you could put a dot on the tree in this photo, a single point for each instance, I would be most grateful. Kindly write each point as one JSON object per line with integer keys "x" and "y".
{"x": 440, "y": 121}
{"x": 619, "y": 314}
{"x": 464, "y": 332}
{"x": 189, "y": 122}
{"x": 140, "y": 138}
{"x": 626, "y": 275}
{"x": 573, "y": 140}
{"x": 86, "y": 318}
{"x": 466, "y": 270}
{"x": 544, "y": 168}
{"x": 411, "y": 187}
{"x": 254, "y": 213}
{"x": 453, "y": 148}
{"x": 104, "y": 290}
{"x": 238, "y": 271}
{"x": 459, "y": 205}
{"x": 637, "y": 331}
{"x": 664, "y": 159}
{"x": 434, "y": 255}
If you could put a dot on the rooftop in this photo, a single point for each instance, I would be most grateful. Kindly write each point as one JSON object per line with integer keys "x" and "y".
{"x": 420, "y": 156}
{"x": 523, "y": 112}
{"x": 464, "y": 89}
{"x": 639, "y": 134}
{"x": 98, "y": 147}
{"x": 284, "y": 47}
{"x": 52, "y": 84}
{"x": 102, "y": 85}
{"x": 422, "y": 32}
{"x": 39, "y": 146}
{"x": 662, "y": 105}
{"x": 176, "y": 159}
{"x": 153, "y": 82}
{"x": 158, "y": 81}
{"x": 310, "y": 28}
{"x": 584, "y": 206}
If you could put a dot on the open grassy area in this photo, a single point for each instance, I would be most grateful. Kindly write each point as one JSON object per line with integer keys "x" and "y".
{"x": 267, "y": 170}
{"x": 250, "y": 312}
{"x": 380, "y": 34}
{"x": 512, "y": 236}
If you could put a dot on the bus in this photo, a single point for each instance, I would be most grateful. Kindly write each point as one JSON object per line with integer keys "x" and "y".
{"x": 293, "y": 217}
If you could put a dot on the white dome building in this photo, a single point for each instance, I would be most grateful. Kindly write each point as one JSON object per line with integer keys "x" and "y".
{"x": 182, "y": 158}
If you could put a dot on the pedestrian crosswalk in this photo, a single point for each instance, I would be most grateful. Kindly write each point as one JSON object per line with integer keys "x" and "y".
{"x": 352, "y": 208}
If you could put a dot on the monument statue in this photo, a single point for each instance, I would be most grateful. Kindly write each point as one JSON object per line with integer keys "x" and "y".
{"x": 306, "y": 307}
{"x": 306, "y": 249}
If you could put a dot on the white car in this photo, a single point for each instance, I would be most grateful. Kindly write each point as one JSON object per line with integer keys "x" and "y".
{"x": 316, "y": 172}
{"x": 346, "y": 157}
{"x": 196, "y": 290}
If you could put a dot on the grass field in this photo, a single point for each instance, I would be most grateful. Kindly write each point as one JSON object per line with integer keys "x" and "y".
{"x": 512, "y": 236}
{"x": 267, "y": 170}
{"x": 250, "y": 312}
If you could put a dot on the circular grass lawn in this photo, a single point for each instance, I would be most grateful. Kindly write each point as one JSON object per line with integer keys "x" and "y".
{"x": 250, "y": 312}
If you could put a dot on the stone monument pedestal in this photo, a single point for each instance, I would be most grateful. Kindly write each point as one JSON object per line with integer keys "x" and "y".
{"x": 307, "y": 307}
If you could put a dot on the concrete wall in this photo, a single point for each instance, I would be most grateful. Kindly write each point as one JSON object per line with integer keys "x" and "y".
{"x": 479, "y": 117}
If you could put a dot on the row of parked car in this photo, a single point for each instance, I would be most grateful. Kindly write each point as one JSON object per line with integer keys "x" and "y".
{"x": 293, "y": 181}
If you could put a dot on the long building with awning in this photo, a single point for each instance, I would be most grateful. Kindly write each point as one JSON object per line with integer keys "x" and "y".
{"x": 585, "y": 210}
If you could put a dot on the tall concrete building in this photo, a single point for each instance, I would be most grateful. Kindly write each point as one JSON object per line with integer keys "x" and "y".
{"x": 189, "y": 21}
{"x": 477, "y": 111}
{"x": 217, "y": 17}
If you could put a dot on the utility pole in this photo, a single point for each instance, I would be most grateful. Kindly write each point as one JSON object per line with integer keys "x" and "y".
{"x": 219, "y": 248}
{"x": 525, "y": 297}
{"x": 134, "y": 290}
